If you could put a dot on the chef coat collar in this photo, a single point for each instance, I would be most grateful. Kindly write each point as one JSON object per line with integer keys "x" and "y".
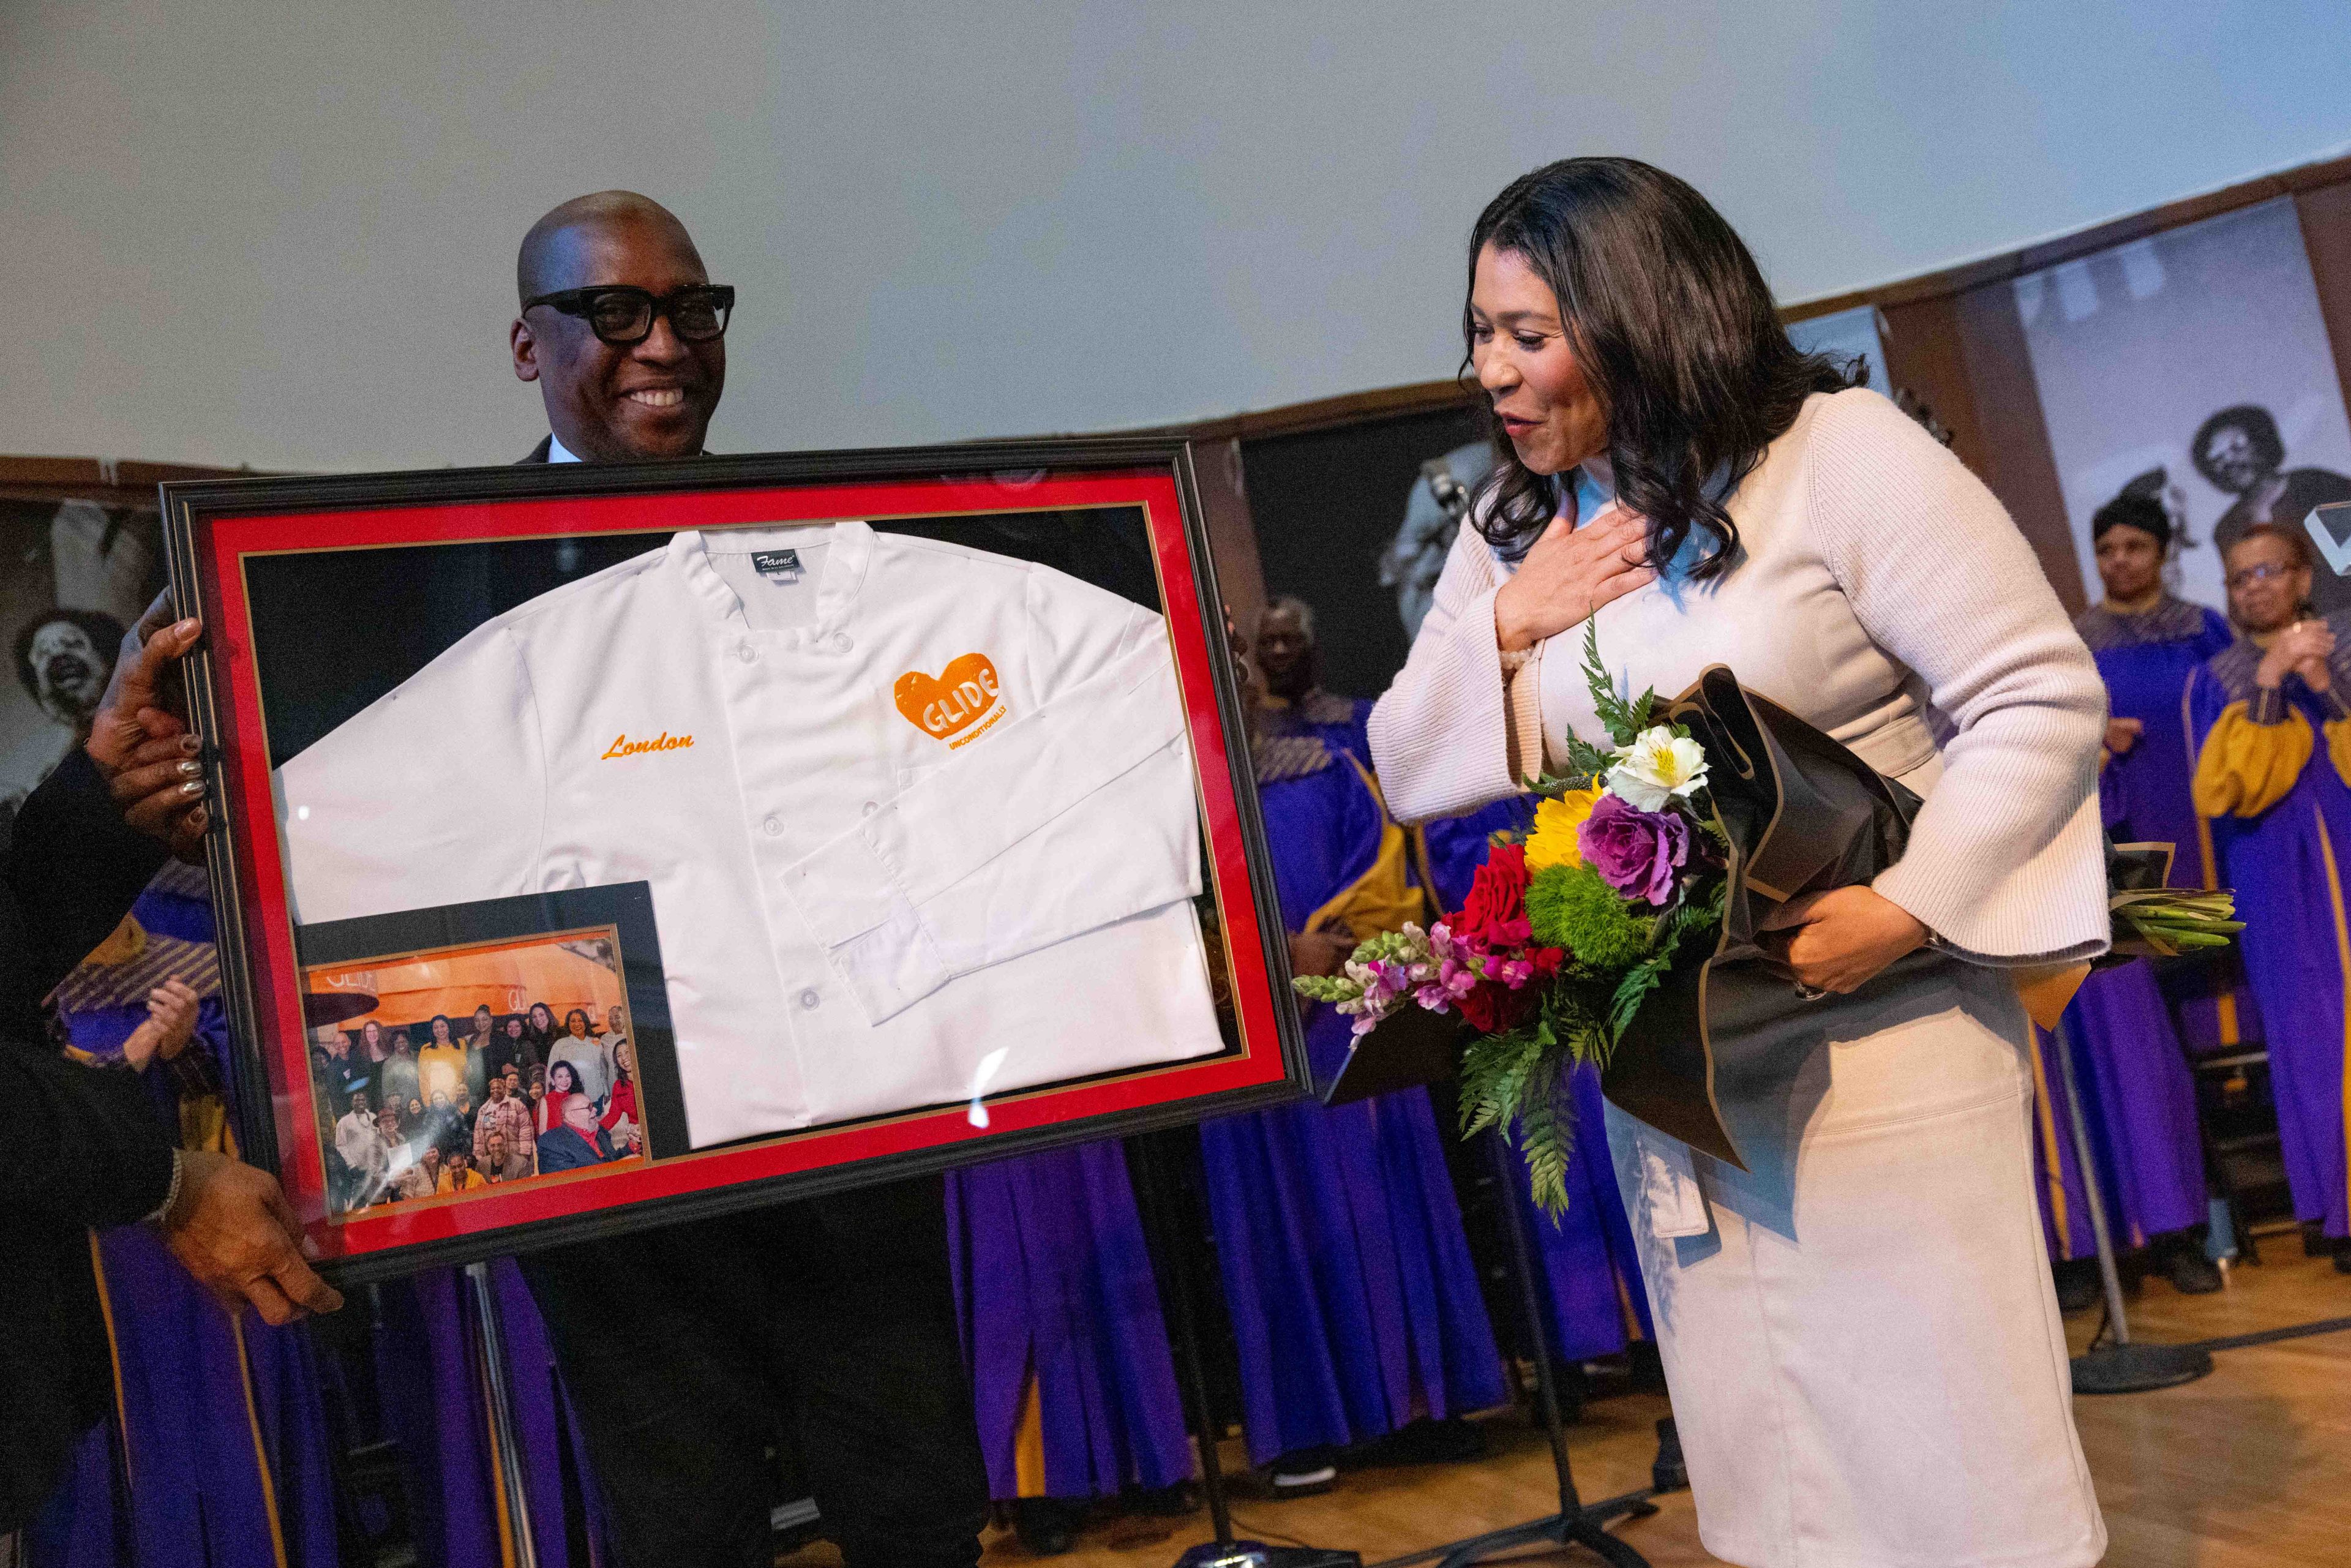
{"x": 851, "y": 545}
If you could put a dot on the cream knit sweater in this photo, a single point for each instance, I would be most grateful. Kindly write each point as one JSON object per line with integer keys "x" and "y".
{"x": 1882, "y": 594}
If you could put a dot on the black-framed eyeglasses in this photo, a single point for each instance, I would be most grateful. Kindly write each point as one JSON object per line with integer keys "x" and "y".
{"x": 622, "y": 314}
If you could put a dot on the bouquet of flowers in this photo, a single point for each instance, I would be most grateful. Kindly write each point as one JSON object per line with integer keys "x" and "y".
{"x": 1647, "y": 863}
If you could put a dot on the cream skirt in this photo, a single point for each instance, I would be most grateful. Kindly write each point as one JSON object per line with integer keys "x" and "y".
{"x": 1863, "y": 1344}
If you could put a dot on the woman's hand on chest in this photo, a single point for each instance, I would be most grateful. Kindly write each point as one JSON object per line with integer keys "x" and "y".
{"x": 1569, "y": 573}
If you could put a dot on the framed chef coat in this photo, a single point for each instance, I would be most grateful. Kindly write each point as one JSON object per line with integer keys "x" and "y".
{"x": 667, "y": 838}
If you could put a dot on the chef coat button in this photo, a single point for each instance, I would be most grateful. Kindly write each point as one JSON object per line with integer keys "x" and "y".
{"x": 840, "y": 643}
{"x": 774, "y": 825}
{"x": 872, "y": 806}
{"x": 745, "y": 652}
{"x": 808, "y": 999}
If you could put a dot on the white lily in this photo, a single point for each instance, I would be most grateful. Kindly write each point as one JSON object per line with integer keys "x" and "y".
{"x": 1659, "y": 767}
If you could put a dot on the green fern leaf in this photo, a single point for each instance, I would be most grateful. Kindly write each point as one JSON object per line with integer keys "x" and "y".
{"x": 1624, "y": 720}
{"x": 1547, "y": 1144}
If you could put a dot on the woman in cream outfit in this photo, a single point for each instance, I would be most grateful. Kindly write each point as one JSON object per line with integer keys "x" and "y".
{"x": 1859, "y": 1330}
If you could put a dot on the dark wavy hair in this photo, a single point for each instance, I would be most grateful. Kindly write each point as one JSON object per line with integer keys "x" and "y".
{"x": 2261, "y": 430}
{"x": 1676, "y": 332}
{"x": 104, "y": 632}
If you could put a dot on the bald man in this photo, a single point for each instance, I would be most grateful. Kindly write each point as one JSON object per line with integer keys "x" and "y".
{"x": 690, "y": 1350}
{"x": 622, "y": 328}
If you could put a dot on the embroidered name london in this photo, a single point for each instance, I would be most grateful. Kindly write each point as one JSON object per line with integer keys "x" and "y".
{"x": 623, "y": 747}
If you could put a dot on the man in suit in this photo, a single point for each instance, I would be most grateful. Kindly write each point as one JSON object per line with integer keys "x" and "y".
{"x": 689, "y": 1350}
{"x": 622, "y": 328}
{"x": 85, "y": 1149}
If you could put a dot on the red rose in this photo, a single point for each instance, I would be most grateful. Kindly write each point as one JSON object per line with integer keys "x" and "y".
{"x": 1490, "y": 1009}
{"x": 1496, "y": 910}
{"x": 1491, "y": 1006}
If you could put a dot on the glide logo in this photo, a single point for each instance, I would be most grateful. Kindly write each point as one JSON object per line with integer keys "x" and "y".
{"x": 623, "y": 747}
{"x": 956, "y": 706}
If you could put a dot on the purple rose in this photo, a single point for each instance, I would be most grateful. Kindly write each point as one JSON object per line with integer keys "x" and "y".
{"x": 1635, "y": 852}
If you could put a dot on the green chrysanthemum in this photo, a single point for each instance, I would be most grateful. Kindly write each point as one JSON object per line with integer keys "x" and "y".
{"x": 1571, "y": 907}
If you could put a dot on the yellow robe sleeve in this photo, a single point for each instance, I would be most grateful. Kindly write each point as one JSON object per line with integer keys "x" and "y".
{"x": 2246, "y": 768}
{"x": 2338, "y": 746}
{"x": 1382, "y": 898}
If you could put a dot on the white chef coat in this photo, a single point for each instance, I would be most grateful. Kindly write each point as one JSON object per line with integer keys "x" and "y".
{"x": 874, "y": 891}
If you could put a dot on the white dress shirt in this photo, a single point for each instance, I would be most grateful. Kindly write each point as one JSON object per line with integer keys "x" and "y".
{"x": 361, "y": 1143}
{"x": 919, "y": 820}
{"x": 591, "y": 1063}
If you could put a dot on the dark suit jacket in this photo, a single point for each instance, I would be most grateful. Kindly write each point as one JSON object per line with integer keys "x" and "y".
{"x": 539, "y": 454}
{"x": 83, "y": 1146}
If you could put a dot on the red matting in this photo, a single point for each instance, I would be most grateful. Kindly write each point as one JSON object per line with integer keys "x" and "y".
{"x": 261, "y": 880}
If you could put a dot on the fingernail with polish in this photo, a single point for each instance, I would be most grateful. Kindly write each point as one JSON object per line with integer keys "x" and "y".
{"x": 191, "y": 770}
{"x": 192, "y": 744}
{"x": 193, "y": 787}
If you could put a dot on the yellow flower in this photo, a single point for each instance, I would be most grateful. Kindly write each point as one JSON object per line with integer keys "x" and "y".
{"x": 1552, "y": 839}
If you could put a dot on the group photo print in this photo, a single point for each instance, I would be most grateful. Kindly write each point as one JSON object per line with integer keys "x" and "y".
{"x": 449, "y": 1074}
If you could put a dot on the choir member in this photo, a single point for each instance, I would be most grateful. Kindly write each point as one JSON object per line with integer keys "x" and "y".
{"x": 2273, "y": 749}
{"x": 1354, "y": 1306}
{"x": 2137, "y": 1098}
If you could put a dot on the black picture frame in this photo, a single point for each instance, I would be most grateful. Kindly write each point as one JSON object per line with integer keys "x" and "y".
{"x": 1247, "y": 921}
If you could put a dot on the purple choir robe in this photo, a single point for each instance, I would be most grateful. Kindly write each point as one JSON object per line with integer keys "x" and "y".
{"x": 2138, "y": 1096}
{"x": 2146, "y": 795}
{"x": 2270, "y": 774}
{"x": 2140, "y": 1105}
{"x": 1590, "y": 1284}
{"x": 219, "y": 1450}
{"x": 433, "y": 1395}
{"x": 1072, "y": 1380}
{"x": 1337, "y": 722}
{"x": 1354, "y": 1304}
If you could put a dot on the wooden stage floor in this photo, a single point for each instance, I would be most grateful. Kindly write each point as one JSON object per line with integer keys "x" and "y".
{"x": 2250, "y": 1467}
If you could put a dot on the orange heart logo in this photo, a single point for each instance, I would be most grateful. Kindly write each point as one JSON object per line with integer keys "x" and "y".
{"x": 944, "y": 705}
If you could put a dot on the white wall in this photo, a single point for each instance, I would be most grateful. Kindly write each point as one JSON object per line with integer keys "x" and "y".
{"x": 255, "y": 231}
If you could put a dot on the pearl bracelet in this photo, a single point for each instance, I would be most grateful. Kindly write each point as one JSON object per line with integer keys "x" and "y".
{"x": 170, "y": 1194}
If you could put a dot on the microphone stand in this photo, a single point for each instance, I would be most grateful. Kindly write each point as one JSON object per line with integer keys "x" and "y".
{"x": 1156, "y": 1196}
{"x": 489, "y": 1343}
{"x": 1414, "y": 1047}
{"x": 2120, "y": 1365}
{"x": 1577, "y": 1523}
